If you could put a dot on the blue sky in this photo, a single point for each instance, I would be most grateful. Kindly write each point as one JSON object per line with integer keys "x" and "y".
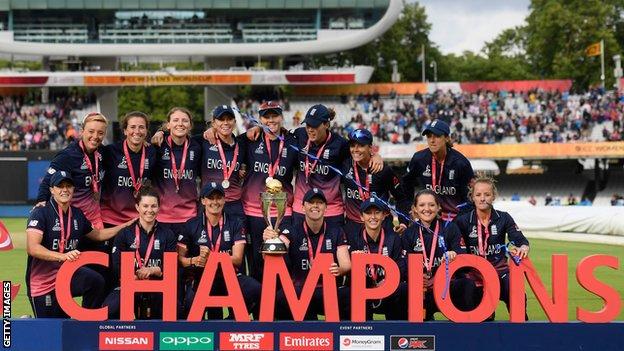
{"x": 466, "y": 25}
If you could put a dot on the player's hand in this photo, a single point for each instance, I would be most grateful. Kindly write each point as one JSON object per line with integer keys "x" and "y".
{"x": 253, "y": 133}
{"x": 158, "y": 138}
{"x": 242, "y": 172}
{"x": 72, "y": 255}
{"x": 522, "y": 251}
{"x": 142, "y": 273}
{"x": 334, "y": 270}
{"x": 357, "y": 252}
{"x": 155, "y": 271}
{"x": 210, "y": 135}
{"x": 269, "y": 234}
{"x": 39, "y": 204}
{"x": 376, "y": 163}
{"x": 399, "y": 229}
{"x": 451, "y": 255}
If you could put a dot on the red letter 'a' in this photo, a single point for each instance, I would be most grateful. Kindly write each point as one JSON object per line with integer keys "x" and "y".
{"x": 167, "y": 286}
{"x": 274, "y": 266}
{"x": 491, "y": 290}
{"x": 233, "y": 299}
{"x": 359, "y": 293}
{"x": 556, "y": 308}
{"x": 585, "y": 277}
{"x": 63, "y": 287}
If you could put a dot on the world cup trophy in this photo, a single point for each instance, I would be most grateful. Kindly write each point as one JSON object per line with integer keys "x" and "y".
{"x": 273, "y": 195}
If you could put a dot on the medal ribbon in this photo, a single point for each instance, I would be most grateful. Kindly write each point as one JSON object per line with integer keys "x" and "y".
{"x": 65, "y": 232}
{"x": 150, "y": 246}
{"x": 319, "y": 245}
{"x": 430, "y": 259}
{"x": 379, "y": 249}
{"x": 227, "y": 173}
{"x": 136, "y": 182}
{"x": 482, "y": 244}
{"x": 435, "y": 181}
{"x": 308, "y": 169}
{"x": 96, "y": 175}
{"x": 214, "y": 246}
{"x": 273, "y": 165}
{"x": 364, "y": 195}
{"x": 178, "y": 172}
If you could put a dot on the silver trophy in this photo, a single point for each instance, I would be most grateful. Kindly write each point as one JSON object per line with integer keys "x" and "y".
{"x": 273, "y": 195}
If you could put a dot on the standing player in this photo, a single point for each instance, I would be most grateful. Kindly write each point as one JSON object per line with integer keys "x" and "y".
{"x": 82, "y": 161}
{"x": 222, "y": 161}
{"x": 53, "y": 233}
{"x": 375, "y": 239}
{"x": 127, "y": 164}
{"x": 359, "y": 182}
{"x": 442, "y": 169}
{"x": 215, "y": 231}
{"x": 484, "y": 232}
{"x": 177, "y": 164}
{"x": 270, "y": 156}
{"x": 148, "y": 240}
{"x": 307, "y": 239}
{"x": 426, "y": 242}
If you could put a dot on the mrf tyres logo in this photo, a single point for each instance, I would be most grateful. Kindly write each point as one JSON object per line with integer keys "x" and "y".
{"x": 306, "y": 341}
{"x": 412, "y": 342}
{"x": 246, "y": 341}
{"x": 186, "y": 341}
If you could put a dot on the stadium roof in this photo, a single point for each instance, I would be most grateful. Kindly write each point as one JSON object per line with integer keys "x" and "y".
{"x": 7, "y": 5}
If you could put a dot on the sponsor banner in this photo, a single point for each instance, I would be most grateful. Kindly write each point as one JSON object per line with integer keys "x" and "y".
{"x": 246, "y": 341}
{"x": 186, "y": 341}
{"x": 536, "y": 151}
{"x": 166, "y": 79}
{"x": 126, "y": 340}
{"x": 362, "y": 342}
{"x": 356, "y": 89}
{"x": 412, "y": 342}
{"x": 560, "y": 85}
{"x": 306, "y": 341}
{"x": 23, "y": 81}
{"x": 320, "y": 78}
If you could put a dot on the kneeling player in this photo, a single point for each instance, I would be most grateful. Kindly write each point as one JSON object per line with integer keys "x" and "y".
{"x": 213, "y": 231}
{"x": 377, "y": 239}
{"x": 148, "y": 240}
{"x": 53, "y": 232}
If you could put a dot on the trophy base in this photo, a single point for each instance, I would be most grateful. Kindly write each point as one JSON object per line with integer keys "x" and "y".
{"x": 273, "y": 247}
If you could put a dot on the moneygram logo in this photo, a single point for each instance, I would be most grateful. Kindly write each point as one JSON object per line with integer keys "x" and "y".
{"x": 246, "y": 341}
{"x": 186, "y": 341}
{"x": 126, "y": 341}
{"x": 412, "y": 342}
{"x": 306, "y": 341}
{"x": 362, "y": 342}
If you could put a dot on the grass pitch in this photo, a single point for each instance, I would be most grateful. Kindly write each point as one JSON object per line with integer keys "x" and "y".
{"x": 13, "y": 267}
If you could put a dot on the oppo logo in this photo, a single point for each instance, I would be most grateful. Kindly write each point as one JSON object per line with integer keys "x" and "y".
{"x": 186, "y": 341}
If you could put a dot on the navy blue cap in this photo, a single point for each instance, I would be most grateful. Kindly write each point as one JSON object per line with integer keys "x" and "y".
{"x": 316, "y": 115}
{"x": 210, "y": 188}
{"x": 372, "y": 202}
{"x": 221, "y": 111}
{"x": 312, "y": 193}
{"x": 269, "y": 106}
{"x": 361, "y": 136}
{"x": 60, "y": 176}
{"x": 437, "y": 127}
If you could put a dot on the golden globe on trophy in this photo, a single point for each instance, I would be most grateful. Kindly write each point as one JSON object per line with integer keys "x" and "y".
{"x": 273, "y": 195}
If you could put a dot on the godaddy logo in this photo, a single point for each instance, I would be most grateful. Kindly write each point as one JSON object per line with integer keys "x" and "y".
{"x": 186, "y": 341}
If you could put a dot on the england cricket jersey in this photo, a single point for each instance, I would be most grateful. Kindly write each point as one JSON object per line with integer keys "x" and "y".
{"x": 212, "y": 167}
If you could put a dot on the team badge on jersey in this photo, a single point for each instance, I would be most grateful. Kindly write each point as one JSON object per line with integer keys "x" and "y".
{"x": 328, "y": 244}
{"x": 165, "y": 156}
{"x": 123, "y": 164}
{"x": 226, "y": 235}
{"x": 418, "y": 246}
{"x": 157, "y": 244}
{"x": 84, "y": 165}
{"x": 473, "y": 233}
{"x": 451, "y": 174}
{"x": 202, "y": 238}
{"x": 494, "y": 230}
{"x": 427, "y": 172}
{"x": 284, "y": 152}
{"x": 57, "y": 225}
{"x": 146, "y": 164}
{"x": 75, "y": 224}
{"x": 326, "y": 154}
{"x": 260, "y": 149}
{"x": 384, "y": 251}
{"x": 191, "y": 155}
{"x": 304, "y": 245}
